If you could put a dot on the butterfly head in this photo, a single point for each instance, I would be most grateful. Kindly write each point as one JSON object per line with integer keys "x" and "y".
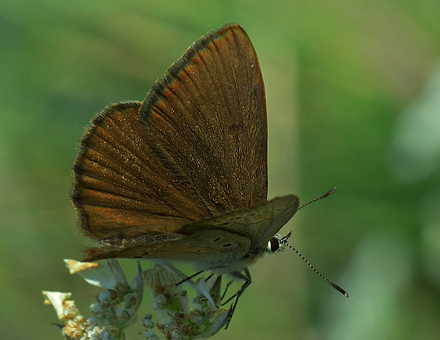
{"x": 277, "y": 243}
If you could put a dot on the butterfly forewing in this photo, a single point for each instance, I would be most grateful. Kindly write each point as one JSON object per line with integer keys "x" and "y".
{"x": 195, "y": 147}
{"x": 209, "y": 113}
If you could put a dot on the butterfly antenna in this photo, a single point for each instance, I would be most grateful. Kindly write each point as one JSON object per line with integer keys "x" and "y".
{"x": 318, "y": 198}
{"x": 283, "y": 241}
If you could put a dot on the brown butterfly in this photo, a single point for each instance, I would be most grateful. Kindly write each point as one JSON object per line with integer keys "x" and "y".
{"x": 183, "y": 174}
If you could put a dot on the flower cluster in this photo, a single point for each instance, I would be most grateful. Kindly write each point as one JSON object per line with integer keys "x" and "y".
{"x": 176, "y": 319}
{"x": 116, "y": 307}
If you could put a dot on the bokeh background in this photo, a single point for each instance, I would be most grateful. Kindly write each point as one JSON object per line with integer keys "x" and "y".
{"x": 353, "y": 94}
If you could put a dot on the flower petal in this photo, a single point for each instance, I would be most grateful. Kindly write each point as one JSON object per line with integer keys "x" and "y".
{"x": 106, "y": 274}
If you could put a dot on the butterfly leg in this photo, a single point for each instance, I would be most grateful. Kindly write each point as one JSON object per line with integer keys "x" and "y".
{"x": 246, "y": 276}
{"x": 189, "y": 278}
{"x": 226, "y": 290}
{"x": 209, "y": 277}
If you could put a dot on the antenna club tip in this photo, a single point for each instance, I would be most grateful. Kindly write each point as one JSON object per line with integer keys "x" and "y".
{"x": 339, "y": 289}
{"x": 332, "y": 191}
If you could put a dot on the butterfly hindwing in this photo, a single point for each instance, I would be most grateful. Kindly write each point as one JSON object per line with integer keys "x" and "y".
{"x": 223, "y": 240}
{"x": 122, "y": 187}
{"x": 212, "y": 244}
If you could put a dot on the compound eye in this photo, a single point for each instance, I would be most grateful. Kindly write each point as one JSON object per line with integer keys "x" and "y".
{"x": 273, "y": 245}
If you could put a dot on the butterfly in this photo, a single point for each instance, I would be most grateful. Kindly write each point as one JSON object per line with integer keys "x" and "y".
{"x": 183, "y": 175}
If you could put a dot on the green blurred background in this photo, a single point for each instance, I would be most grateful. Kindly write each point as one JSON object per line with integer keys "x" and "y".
{"x": 353, "y": 94}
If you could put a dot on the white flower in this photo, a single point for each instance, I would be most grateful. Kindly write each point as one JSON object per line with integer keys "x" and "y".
{"x": 59, "y": 301}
